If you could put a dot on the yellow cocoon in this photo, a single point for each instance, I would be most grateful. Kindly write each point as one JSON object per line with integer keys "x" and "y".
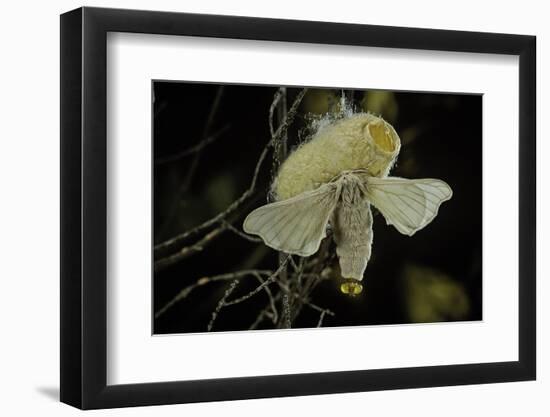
{"x": 361, "y": 141}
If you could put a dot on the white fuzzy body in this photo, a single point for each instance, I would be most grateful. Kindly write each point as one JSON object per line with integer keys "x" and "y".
{"x": 352, "y": 225}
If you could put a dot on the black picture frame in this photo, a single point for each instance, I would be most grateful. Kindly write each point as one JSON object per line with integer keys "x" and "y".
{"x": 84, "y": 207}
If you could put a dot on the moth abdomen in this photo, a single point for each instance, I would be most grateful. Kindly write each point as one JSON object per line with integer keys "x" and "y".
{"x": 353, "y": 260}
{"x": 352, "y": 224}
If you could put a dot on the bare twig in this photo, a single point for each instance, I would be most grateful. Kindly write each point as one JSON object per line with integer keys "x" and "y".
{"x": 279, "y": 155}
{"x": 265, "y": 313}
{"x": 188, "y": 250}
{"x": 272, "y": 108}
{"x": 198, "y": 147}
{"x": 281, "y": 144}
{"x": 286, "y": 310}
{"x": 221, "y": 303}
{"x": 233, "y": 229}
{"x": 186, "y": 183}
{"x": 271, "y": 298}
{"x": 205, "y": 133}
{"x": 320, "y": 309}
{"x": 261, "y": 317}
{"x": 183, "y": 293}
{"x": 294, "y": 264}
{"x": 321, "y": 317}
{"x": 170, "y": 243}
{"x": 255, "y": 291}
{"x": 304, "y": 300}
{"x": 321, "y": 260}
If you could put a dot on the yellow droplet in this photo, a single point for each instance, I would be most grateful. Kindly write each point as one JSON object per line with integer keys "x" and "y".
{"x": 351, "y": 287}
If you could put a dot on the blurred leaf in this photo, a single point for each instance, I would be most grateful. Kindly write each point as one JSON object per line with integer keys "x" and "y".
{"x": 381, "y": 103}
{"x": 433, "y": 296}
{"x": 221, "y": 192}
{"x": 319, "y": 101}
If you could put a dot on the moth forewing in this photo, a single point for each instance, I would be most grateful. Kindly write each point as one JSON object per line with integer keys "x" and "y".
{"x": 296, "y": 225}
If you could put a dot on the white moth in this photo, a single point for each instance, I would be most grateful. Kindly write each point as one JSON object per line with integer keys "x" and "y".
{"x": 298, "y": 224}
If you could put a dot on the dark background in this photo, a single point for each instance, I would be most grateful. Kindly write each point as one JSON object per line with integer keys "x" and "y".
{"x": 433, "y": 276}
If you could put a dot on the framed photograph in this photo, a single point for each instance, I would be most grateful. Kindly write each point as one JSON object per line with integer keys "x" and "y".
{"x": 259, "y": 208}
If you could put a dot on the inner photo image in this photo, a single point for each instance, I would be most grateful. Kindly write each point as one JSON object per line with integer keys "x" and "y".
{"x": 290, "y": 207}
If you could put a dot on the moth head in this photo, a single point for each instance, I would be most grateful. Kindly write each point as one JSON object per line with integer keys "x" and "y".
{"x": 351, "y": 287}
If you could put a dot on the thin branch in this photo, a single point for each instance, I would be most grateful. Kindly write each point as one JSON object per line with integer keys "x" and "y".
{"x": 261, "y": 316}
{"x": 321, "y": 317}
{"x": 186, "y": 183}
{"x": 281, "y": 145}
{"x": 198, "y": 147}
{"x": 221, "y": 304}
{"x": 322, "y": 259}
{"x": 303, "y": 299}
{"x": 265, "y": 313}
{"x": 296, "y": 266}
{"x": 233, "y": 229}
{"x": 259, "y": 319}
{"x": 320, "y": 309}
{"x": 296, "y": 280}
{"x": 274, "y": 103}
{"x": 280, "y": 149}
{"x": 205, "y": 133}
{"x": 255, "y": 291}
{"x": 271, "y": 298}
{"x": 286, "y": 311}
{"x": 233, "y": 206}
{"x": 187, "y": 251}
{"x": 199, "y": 246}
{"x": 184, "y": 293}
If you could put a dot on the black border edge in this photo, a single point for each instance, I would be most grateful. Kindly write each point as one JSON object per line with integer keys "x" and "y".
{"x": 83, "y": 201}
{"x": 70, "y": 233}
{"x": 527, "y": 206}
{"x": 94, "y": 209}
